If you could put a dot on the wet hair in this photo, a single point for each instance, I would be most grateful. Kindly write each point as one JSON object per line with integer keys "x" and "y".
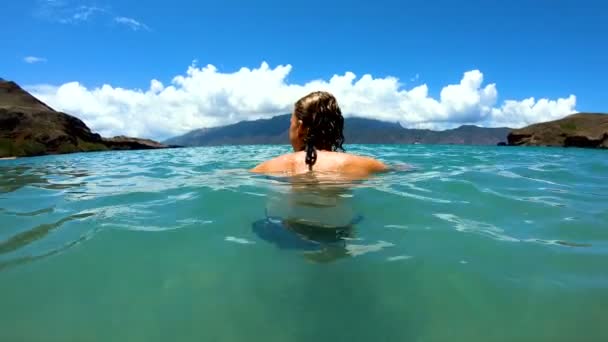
{"x": 320, "y": 113}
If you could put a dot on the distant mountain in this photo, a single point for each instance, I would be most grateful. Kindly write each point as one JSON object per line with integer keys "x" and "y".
{"x": 28, "y": 127}
{"x": 356, "y": 131}
{"x": 577, "y": 130}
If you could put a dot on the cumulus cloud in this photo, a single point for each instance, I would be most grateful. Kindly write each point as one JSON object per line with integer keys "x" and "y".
{"x": 34, "y": 59}
{"x": 207, "y": 97}
{"x": 132, "y": 23}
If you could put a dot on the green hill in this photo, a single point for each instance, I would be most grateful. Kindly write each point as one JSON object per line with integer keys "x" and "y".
{"x": 356, "y": 131}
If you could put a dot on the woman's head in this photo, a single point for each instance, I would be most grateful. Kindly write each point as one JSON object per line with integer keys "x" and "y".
{"x": 316, "y": 124}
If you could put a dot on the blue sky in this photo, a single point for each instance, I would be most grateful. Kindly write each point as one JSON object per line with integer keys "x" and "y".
{"x": 535, "y": 48}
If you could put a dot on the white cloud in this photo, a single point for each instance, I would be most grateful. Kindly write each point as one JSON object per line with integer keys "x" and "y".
{"x": 206, "y": 97}
{"x": 83, "y": 13}
{"x": 132, "y": 23}
{"x": 66, "y": 11}
{"x": 34, "y": 59}
{"x": 69, "y": 12}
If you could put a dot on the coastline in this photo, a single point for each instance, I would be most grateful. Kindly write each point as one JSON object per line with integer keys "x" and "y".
{"x": 8, "y": 158}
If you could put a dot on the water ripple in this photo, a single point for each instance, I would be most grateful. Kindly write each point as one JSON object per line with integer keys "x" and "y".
{"x": 535, "y": 196}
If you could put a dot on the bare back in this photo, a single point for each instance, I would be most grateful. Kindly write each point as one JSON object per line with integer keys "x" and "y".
{"x": 330, "y": 162}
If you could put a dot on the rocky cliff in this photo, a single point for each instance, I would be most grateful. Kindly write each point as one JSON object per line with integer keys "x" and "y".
{"x": 577, "y": 130}
{"x": 28, "y": 127}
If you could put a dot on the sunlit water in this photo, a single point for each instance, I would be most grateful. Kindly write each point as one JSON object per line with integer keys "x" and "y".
{"x": 469, "y": 244}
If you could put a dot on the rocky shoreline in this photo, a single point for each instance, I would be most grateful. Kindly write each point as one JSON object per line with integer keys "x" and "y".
{"x": 29, "y": 127}
{"x": 587, "y": 130}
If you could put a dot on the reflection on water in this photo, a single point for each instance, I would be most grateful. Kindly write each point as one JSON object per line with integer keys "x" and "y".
{"x": 38, "y": 232}
{"x": 51, "y": 178}
{"x": 29, "y": 258}
{"x": 29, "y": 212}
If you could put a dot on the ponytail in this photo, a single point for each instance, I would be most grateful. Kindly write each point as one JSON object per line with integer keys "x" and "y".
{"x": 311, "y": 151}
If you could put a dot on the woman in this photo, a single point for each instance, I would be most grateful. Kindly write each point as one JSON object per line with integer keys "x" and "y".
{"x": 315, "y": 216}
{"x": 316, "y": 136}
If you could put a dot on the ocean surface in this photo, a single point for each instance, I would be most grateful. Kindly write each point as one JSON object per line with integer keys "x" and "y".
{"x": 458, "y": 244}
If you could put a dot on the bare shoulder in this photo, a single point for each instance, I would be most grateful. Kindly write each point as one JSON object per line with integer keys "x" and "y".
{"x": 281, "y": 163}
{"x": 362, "y": 164}
{"x": 327, "y": 162}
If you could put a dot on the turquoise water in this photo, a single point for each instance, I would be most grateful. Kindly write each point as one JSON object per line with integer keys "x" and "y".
{"x": 470, "y": 244}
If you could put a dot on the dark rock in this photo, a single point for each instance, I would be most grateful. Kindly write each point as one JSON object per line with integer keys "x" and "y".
{"x": 28, "y": 127}
{"x": 589, "y": 130}
{"x": 502, "y": 143}
{"x": 127, "y": 143}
